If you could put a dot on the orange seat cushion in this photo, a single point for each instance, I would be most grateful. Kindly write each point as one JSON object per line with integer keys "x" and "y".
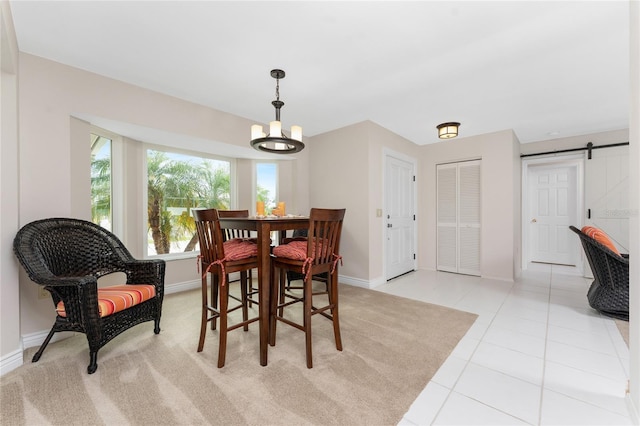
{"x": 240, "y": 248}
{"x": 118, "y": 298}
{"x": 600, "y": 236}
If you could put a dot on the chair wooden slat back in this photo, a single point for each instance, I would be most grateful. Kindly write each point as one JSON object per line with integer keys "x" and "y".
{"x": 325, "y": 228}
{"x": 209, "y": 235}
{"x": 228, "y": 233}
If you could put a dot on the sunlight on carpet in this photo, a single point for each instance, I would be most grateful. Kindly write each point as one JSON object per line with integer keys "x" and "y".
{"x": 392, "y": 348}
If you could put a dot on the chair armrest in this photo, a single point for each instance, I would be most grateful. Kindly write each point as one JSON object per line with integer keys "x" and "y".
{"x": 146, "y": 272}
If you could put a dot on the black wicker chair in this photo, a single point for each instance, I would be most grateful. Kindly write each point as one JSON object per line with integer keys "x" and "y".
{"x": 609, "y": 292}
{"x": 67, "y": 256}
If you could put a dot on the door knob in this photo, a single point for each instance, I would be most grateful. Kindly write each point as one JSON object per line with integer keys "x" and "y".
{"x": 389, "y": 225}
{"x": 533, "y": 220}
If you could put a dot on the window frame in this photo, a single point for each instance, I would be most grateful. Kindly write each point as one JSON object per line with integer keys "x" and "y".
{"x": 117, "y": 177}
{"x": 144, "y": 182}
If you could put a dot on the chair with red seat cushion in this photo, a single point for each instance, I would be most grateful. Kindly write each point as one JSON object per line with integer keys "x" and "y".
{"x": 219, "y": 258}
{"x": 319, "y": 254}
{"x": 67, "y": 256}
{"x": 230, "y": 234}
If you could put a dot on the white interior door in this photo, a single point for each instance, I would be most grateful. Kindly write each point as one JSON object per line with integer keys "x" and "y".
{"x": 553, "y": 208}
{"x": 458, "y": 221}
{"x": 400, "y": 219}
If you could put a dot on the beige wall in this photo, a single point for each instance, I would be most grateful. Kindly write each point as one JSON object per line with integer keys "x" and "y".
{"x": 54, "y": 151}
{"x": 634, "y": 204}
{"x": 347, "y": 171}
{"x": 10, "y": 343}
{"x": 499, "y": 199}
{"x": 340, "y": 171}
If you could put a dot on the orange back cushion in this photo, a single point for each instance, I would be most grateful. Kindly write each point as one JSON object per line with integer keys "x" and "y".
{"x": 599, "y": 235}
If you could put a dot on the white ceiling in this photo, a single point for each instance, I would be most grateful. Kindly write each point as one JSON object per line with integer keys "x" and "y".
{"x": 545, "y": 69}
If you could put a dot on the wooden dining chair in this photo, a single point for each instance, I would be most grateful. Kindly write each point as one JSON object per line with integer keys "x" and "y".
{"x": 318, "y": 254}
{"x": 230, "y": 234}
{"x": 218, "y": 258}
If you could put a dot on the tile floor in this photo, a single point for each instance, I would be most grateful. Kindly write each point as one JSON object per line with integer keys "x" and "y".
{"x": 536, "y": 355}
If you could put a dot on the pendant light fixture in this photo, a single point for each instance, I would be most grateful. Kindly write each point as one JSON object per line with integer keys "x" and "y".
{"x": 448, "y": 130}
{"x": 276, "y": 141}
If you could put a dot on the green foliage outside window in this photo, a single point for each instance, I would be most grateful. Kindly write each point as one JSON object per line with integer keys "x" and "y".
{"x": 176, "y": 184}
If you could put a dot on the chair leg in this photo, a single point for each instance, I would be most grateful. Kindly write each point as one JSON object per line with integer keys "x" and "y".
{"x": 281, "y": 289}
{"x": 38, "y": 354}
{"x": 224, "y": 306}
{"x": 215, "y": 283}
{"x": 333, "y": 300}
{"x": 93, "y": 362}
{"x": 250, "y": 302}
{"x": 308, "y": 302}
{"x": 205, "y": 312}
{"x": 243, "y": 297}
{"x": 273, "y": 308}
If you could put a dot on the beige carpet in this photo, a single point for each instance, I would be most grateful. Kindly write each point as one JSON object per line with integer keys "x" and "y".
{"x": 392, "y": 347}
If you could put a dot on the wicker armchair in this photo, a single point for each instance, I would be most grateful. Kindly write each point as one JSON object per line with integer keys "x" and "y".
{"x": 609, "y": 292}
{"x": 67, "y": 256}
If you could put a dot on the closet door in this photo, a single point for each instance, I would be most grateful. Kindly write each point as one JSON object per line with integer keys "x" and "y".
{"x": 458, "y": 198}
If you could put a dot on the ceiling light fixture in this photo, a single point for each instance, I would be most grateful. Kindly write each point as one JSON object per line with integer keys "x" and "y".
{"x": 448, "y": 130}
{"x": 276, "y": 141}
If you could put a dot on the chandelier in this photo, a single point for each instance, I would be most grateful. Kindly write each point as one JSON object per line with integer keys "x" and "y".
{"x": 276, "y": 141}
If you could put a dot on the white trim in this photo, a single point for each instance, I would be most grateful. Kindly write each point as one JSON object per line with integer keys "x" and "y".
{"x": 183, "y": 286}
{"x": 11, "y": 361}
{"x": 358, "y": 282}
{"x": 572, "y": 160}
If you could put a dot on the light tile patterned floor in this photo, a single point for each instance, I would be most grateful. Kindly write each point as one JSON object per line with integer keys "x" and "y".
{"x": 537, "y": 354}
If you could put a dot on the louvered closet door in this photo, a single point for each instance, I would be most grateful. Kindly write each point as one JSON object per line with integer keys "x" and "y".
{"x": 458, "y": 210}
{"x": 447, "y": 217}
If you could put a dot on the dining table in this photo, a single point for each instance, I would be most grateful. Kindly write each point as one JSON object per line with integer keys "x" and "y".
{"x": 264, "y": 225}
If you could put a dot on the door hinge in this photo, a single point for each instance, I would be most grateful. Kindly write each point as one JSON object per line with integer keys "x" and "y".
{"x": 588, "y": 213}
{"x": 414, "y": 256}
{"x": 414, "y": 217}
{"x": 414, "y": 178}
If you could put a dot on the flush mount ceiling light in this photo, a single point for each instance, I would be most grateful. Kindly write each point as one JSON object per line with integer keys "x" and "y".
{"x": 276, "y": 141}
{"x": 448, "y": 130}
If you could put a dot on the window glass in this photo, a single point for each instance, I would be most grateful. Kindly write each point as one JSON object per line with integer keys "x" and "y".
{"x": 178, "y": 183}
{"x": 101, "y": 185}
{"x": 266, "y": 188}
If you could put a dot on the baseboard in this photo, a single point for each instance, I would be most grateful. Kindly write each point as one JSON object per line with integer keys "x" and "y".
{"x": 11, "y": 361}
{"x": 183, "y": 286}
{"x": 357, "y": 282}
{"x": 633, "y": 410}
